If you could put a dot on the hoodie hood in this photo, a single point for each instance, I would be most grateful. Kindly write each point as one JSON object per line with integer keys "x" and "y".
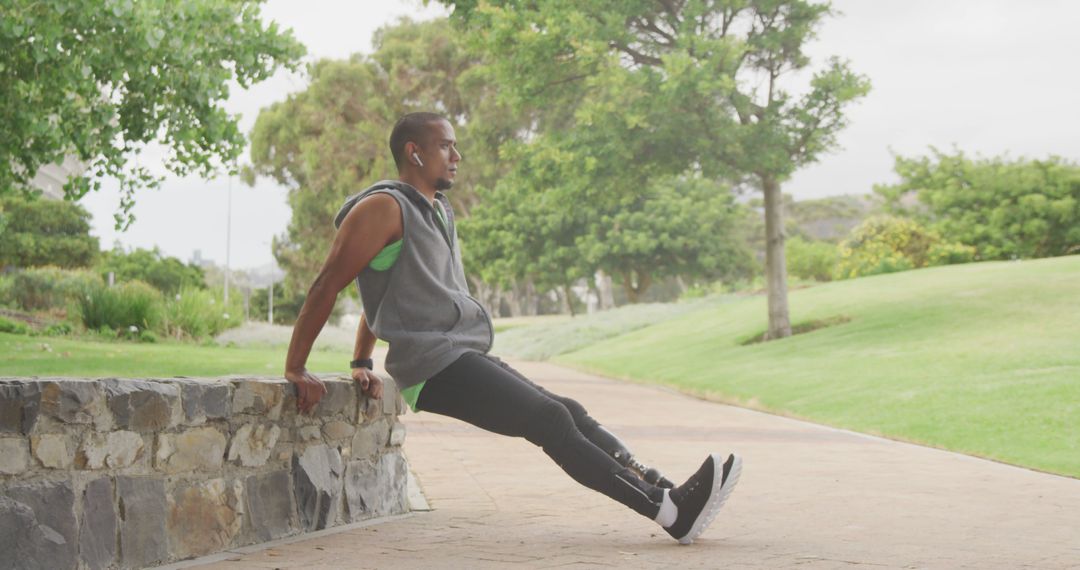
{"x": 351, "y": 201}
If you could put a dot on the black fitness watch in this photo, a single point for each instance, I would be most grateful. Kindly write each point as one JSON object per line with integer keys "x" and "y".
{"x": 362, "y": 363}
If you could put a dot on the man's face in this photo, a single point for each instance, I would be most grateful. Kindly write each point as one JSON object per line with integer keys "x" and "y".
{"x": 440, "y": 155}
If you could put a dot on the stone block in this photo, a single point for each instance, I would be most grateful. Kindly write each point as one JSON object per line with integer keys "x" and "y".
{"x": 317, "y": 477}
{"x": 14, "y": 455}
{"x": 97, "y": 529}
{"x": 53, "y": 450}
{"x": 47, "y": 508}
{"x": 370, "y": 439}
{"x": 252, "y": 444}
{"x": 114, "y": 450}
{"x": 370, "y": 409}
{"x": 204, "y": 516}
{"x": 340, "y": 398}
{"x": 196, "y": 449}
{"x": 337, "y": 429}
{"x": 309, "y": 433}
{"x": 269, "y": 505}
{"x": 27, "y": 544}
{"x": 397, "y": 434}
{"x": 142, "y": 509}
{"x": 20, "y": 402}
{"x": 390, "y": 397}
{"x": 205, "y": 400}
{"x": 143, "y": 406}
{"x": 258, "y": 397}
{"x": 376, "y": 488}
{"x": 75, "y": 402}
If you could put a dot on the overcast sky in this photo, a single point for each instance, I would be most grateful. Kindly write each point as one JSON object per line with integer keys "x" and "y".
{"x": 988, "y": 77}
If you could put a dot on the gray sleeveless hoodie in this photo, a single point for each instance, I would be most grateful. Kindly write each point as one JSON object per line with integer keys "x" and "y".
{"x": 421, "y": 306}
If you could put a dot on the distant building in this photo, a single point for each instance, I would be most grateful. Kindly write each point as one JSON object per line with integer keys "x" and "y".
{"x": 50, "y": 179}
{"x": 198, "y": 261}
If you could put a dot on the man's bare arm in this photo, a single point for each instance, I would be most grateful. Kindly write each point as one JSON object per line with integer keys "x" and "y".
{"x": 365, "y": 340}
{"x": 370, "y": 384}
{"x": 371, "y": 225}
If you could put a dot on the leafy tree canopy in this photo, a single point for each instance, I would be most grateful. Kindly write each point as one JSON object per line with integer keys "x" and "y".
{"x": 683, "y": 226}
{"x": 330, "y": 141}
{"x": 36, "y": 233}
{"x": 651, "y": 88}
{"x": 1005, "y": 208}
{"x": 100, "y": 79}
{"x": 166, "y": 274}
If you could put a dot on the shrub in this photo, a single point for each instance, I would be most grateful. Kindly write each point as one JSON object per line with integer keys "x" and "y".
{"x": 810, "y": 259}
{"x": 197, "y": 313}
{"x": 43, "y": 288}
{"x": 887, "y": 244}
{"x": 1006, "y": 208}
{"x": 58, "y": 329}
{"x": 133, "y": 304}
{"x": 166, "y": 274}
{"x": 951, "y": 253}
{"x": 13, "y": 327}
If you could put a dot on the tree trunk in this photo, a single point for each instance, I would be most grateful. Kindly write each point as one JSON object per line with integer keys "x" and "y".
{"x": 775, "y": 263}
{"x": 513, "y": 301}
{"x": 568, "y": 305}
{"x": 635, "y": 284}
{"x": 532, "y": 300}
{"x": 487, "y": 295}
{"x": 604, "y": 290}
{"x": 683, "y": 287}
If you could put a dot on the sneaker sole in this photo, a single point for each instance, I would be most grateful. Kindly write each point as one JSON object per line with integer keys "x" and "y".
{"x": 720, "y": 492}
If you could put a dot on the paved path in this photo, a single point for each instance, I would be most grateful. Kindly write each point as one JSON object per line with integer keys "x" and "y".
{"x": 810, "y": 497}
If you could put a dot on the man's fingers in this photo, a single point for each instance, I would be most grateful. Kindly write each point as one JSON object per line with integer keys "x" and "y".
{"x": 308, "y": 393}
{"x": 302, "y": 397}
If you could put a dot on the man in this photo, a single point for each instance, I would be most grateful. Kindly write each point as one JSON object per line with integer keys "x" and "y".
{"x": 397, "y": 240}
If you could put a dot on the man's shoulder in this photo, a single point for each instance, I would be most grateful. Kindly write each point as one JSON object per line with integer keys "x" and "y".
{"x": 376, "y": 204}
{"x": 375, "y": 215}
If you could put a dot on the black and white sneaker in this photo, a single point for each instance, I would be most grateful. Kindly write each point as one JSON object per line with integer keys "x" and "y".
{"x": 702, "y": 495}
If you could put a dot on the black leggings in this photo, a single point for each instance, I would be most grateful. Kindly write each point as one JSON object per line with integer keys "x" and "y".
{"x": 484, "y": 391}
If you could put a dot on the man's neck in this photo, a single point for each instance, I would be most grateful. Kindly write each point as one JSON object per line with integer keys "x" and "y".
{"x": 427, "y": 190}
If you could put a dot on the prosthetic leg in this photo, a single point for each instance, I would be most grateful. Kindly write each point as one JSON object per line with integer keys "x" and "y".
{"x": 614, "y": 447}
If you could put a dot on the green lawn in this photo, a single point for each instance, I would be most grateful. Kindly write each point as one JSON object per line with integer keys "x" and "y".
{"x": 980, "y": 358}
{"x": 27, "y": 356}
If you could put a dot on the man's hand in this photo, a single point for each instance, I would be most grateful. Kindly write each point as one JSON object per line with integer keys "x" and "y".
{"x": 309, "y": 389}
{"x": 370, "y": 383}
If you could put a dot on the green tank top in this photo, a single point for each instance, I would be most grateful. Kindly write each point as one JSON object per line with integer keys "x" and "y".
{"x": 383, "y": 262}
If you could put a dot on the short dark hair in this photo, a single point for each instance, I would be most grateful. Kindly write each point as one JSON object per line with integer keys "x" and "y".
{"x": 411, "y": 127}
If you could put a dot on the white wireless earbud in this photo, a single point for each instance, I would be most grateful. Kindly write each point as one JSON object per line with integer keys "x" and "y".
{"x": 416, "y": 159}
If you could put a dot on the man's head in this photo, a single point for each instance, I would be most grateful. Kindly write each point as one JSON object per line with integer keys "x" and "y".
{"x": 424, "y": 146}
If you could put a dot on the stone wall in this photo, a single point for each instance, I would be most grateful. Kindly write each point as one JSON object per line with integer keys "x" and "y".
{"x": 123, "y": 473}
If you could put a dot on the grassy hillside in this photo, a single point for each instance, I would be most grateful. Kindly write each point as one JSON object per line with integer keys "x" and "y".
{"x": 979, "y": 358}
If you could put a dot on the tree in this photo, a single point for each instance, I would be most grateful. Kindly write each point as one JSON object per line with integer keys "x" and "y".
{"x": 680, "y": 227}
{"x": 100, "y": 80}
{"x": 689, "y": 84}
{"x": 36, "y": 233}
{"x": 516, "y": 234}
{"x": 166, "y": 274}
{"x": 1005, "y": 208}
{"x": 329, "y": 141}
